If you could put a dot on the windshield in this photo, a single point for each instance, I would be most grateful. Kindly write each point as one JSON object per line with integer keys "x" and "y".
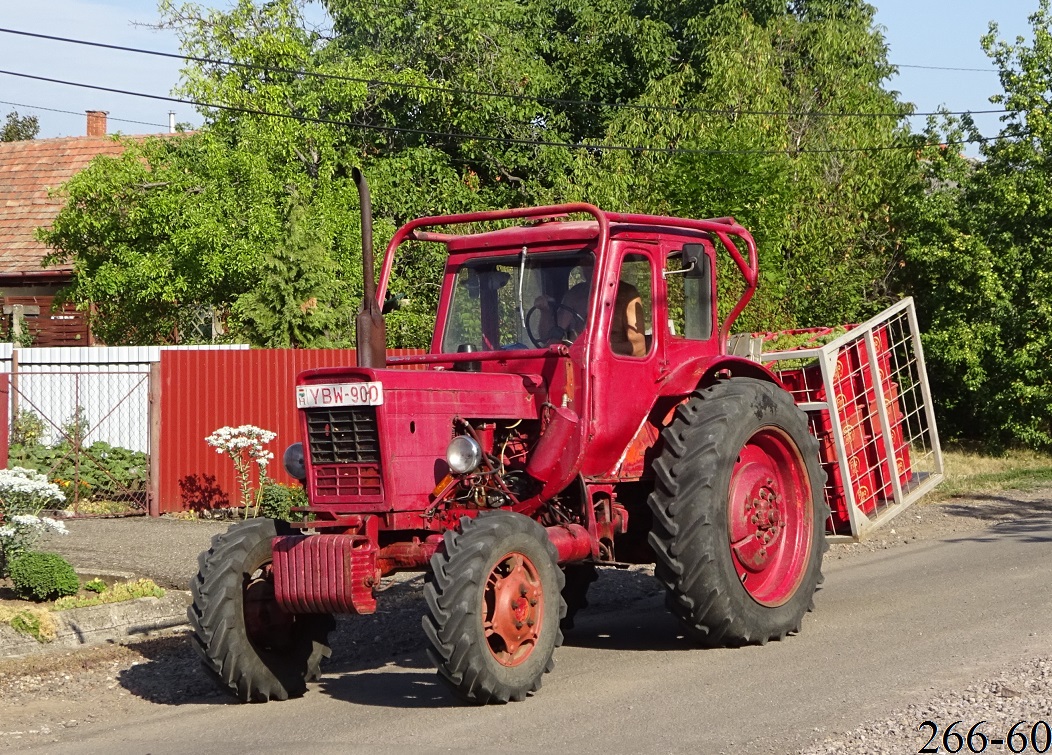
{"x": 490, "y": 310}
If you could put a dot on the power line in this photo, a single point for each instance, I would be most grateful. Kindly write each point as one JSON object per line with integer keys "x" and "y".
{"x": 494, "y": 139}
{"x": 480, "y": 93}
{"x": 945, "y": 68}
{"x": 76, "y": 112}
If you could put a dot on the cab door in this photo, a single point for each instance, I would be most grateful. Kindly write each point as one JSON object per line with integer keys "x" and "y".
{"x": 689, "y": 327}
{"x": 625, "y": 363}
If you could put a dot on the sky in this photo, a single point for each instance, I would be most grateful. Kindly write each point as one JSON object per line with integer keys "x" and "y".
{"x": 942, "y": 33}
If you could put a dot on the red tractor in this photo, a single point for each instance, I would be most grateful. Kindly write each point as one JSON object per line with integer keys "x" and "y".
{"x": 577, "y": 408}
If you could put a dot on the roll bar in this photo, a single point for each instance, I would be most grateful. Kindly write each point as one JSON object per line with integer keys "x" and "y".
{"x": 725, "y": 229}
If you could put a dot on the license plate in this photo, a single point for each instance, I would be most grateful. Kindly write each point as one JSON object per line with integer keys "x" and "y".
{"x": 339, "y": 394}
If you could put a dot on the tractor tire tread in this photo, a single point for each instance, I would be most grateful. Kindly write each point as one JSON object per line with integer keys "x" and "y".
{"x": 693, "y": 457}
{"x": 217, "y": 623}
{"x": 458, "y": 571}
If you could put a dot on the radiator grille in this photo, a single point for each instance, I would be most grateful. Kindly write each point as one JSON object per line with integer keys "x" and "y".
{"x": 348, "y": 481}
{"x": 343, "y": 435}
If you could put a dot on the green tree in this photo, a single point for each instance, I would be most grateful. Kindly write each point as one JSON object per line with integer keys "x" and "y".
{"x": 170, "y": 226}
{"x": 457, "y": 106}
{"x": 743, "y": 88}
{"x": 19, "y": 128}
{"x": 953, "y": 275}
{"x": 299, "y": 301}
{"x": 978, "y": 258}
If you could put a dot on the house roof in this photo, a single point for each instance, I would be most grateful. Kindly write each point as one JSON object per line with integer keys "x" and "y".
{"x": 28, "y": 170}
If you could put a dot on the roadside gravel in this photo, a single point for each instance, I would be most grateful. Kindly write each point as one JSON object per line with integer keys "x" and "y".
{"x": 42, "y": 697}
{"x": 1022, "y": 693}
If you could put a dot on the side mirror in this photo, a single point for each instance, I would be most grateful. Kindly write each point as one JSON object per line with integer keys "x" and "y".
{"x": 695, "y": 261}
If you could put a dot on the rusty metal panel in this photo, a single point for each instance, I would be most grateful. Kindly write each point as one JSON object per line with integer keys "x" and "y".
{"x": 204, "y": 390}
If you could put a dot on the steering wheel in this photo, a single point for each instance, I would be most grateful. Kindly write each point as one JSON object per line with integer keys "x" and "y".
{"x": 557, "y": 333}
{"x": 540, "y": 344}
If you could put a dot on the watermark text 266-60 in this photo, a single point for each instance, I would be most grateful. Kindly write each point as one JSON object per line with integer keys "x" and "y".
{"x": 1022, "y": 737}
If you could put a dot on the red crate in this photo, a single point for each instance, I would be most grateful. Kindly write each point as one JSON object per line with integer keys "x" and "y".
{"x": 806, "y": 383}
{"x": 896, "y": 420}
{"x": 855, "y": 401}
{"x": 861, "y": 461}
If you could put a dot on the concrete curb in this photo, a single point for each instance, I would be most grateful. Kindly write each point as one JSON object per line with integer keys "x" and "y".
{"x": 113, "y": 623}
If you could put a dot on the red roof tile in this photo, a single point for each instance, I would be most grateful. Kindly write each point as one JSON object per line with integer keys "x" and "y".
{"x": 28, "y": 170}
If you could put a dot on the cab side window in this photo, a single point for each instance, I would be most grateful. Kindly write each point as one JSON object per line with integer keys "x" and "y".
{"x": 688, "y": 283}
{"x": 632, "y": 321}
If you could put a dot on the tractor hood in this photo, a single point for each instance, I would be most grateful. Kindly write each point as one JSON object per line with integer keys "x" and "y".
{"x": 377, "y": 438}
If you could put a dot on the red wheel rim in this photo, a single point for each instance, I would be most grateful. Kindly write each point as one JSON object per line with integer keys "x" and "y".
{"x": 771, "y": 515}
{"x": 512, "y": 609}
{"x": 267, "y": 626}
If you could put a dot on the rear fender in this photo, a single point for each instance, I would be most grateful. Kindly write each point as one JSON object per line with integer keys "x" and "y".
{"x": 638, "y": 457}
{"x": 736, "y": 367}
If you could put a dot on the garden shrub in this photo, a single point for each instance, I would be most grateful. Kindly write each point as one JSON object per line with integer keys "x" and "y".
{"x": 27, "y": 428}
{"x": 23, "y": 495}
{"x": 27, "y": 491}
{"x": 276, "y": 501}
{"x": 101, "y": 470}
{"x": 43, "y": 576}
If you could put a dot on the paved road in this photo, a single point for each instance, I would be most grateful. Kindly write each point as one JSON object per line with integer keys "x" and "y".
{"x": 891, "y": 627}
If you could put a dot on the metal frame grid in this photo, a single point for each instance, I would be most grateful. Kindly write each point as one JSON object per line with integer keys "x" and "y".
{"x": 866, "y": 391}
{"x": 113, "y": 406}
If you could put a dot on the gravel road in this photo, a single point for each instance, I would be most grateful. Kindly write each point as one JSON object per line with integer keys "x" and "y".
{"x": 41, "y": 699}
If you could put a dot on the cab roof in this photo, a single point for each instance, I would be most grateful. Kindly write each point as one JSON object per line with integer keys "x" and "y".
{"x": 554, "y": 232}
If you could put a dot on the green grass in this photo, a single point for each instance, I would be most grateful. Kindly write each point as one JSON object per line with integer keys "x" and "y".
{"x": 35, "y": 622}
{"x": 39, "y": 623}
{"x": 969, "y": 472}
{"x": 140, "y": 588}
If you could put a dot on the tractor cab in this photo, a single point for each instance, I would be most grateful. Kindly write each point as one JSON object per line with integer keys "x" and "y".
{"x": 615, "y": 315}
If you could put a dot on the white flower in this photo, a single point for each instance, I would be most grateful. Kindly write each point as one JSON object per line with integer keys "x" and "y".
{"x": 244, "y": 440}
{"x": 59, "y": 528}
{"x": 25, "y": 489}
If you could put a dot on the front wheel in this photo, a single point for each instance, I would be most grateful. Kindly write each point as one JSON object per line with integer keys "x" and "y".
{"x": 739, "y": 514}
{"x": 253, "y": 648}
{"x": 494, "y": 605}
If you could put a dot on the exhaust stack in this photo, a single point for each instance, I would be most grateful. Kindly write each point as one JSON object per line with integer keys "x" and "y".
{"x": 370, "y": 332}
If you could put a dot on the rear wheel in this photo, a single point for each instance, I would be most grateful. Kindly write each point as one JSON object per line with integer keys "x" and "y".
{"x": 494, "y": 607}
{"x": 739, "y": 514}
{"x": 253, "y": 647}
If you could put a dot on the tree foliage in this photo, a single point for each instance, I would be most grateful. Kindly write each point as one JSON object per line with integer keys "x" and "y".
{"x": 19, "y": 128}
{"x": 776, "y": 113}
{"x": 299, "y": 300}
{"x": 978, "y": 258}
{"x": 456, "y": 106}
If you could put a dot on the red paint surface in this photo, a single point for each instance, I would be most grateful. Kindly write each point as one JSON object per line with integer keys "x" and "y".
{"x": 204, "y": 390}
{"x": 415, "y": 422}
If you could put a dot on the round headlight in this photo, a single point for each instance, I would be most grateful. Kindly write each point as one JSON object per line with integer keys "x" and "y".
{"x": 294, "y": 461}
{"x": 464, "y": 454}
